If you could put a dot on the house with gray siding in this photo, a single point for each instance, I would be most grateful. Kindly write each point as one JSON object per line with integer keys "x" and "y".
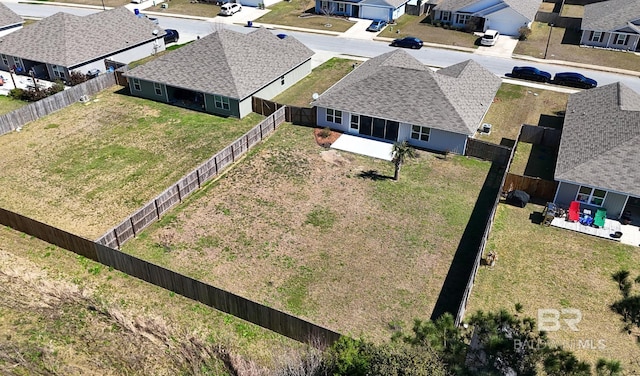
{"x": 55, "y": 46}
{"x": 395, "y": 97}
{"x": 9, "y": 20}
{"x": 612, "y": 24}
{"x": 387, "y": 10}
{"x": 598, "y": 160}
{"x": 222, "y": 71}
{"x": 506, "y": 16}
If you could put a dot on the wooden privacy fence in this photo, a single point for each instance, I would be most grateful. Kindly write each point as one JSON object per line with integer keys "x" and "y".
{"x": 177, "y": 192}
{"x": 536, "y": 187}
{"x": 483, "y": 244}
{"x": 293, "y": 114}
{"x": 488, "y": 151}
{"x": 33, "y": 111}
{"x": 256, "y": 313}
{"x": 537, "y": 135}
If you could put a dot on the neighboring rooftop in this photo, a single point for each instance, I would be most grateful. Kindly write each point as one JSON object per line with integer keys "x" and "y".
{"x": 8, "y": 17}
{"x": 398, "y": 87}
{"x": 611, "y": 15}
{"x": 69, "y": 40}
{"x": 527, "y": 8}
{"x": 227, "y": 63}
{"x": 600, "y": 139}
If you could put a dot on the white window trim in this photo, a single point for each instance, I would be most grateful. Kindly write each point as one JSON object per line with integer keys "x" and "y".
{"x": 58, "y": 71}
{"x": 136, "y": 85}
{"x": 334, "y": 116}
{"x": 158, "y": 88}
{"x": 5, "y": 60}
{"x": 591, "y": 195}
{"x": 466, "y": 18}
{"x": 356, "y": 123}
{"x": 620, "y": 36}
{"x": 221, "y": 102}
{"x": 597, "y": 36}
{"x": 445, "y": 16}
{"x": 421, "y": 132}
{"x": 342, "y": 7}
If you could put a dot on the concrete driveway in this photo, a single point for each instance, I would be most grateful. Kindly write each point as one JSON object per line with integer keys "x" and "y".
{"x": 504, "y": 47}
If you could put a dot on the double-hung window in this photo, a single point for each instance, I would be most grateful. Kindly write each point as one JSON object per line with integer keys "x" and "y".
{"x": 596, "y": 36}
{"x": 221, "y": 102}
{"x": 463, "y": 18}
{"x": 136, "y": 84}
{"x": 58, "y": 71}
{"x": 621, "y": 39}
{"x": 334, "y": 116}
{"x": 420, "y": 133}
{"x": 158, "y": 88}
{"x": 591, "y": 196}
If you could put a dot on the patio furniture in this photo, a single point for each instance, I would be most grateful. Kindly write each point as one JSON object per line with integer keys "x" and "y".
{"x": 599, "y": 218}
{"x": 573, "y": 214}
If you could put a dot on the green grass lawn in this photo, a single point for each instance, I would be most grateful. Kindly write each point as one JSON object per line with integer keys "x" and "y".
{"x": 515, "y": 105}
{"x": 8, "y": 104}
{"x": 300, "y": 13}
{"x": 570, "y": 10}
{"x": 418, "y": 26}
{"x": 323, "y": 234}
{"x": 319, "y": 80}
{"x": 564, "y": 45}
{"x": 88, "y": 166}
{"x": 551, "y": 268}
{"x": 187, "y": 7}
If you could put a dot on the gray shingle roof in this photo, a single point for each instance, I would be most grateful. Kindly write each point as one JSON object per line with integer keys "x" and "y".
{"x": 68, "y": 40}
{"x": 527, "y": 8}
{"x": 610, "y": 15}
{"x": 389, "y": 3}
{"x": 398, "y": 87}
{"x": 227, "y": 62}
{"x": 600, "y": 139}
{"x": 8, "y": 17}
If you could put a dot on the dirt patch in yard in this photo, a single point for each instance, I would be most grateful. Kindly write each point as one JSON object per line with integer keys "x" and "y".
{"x": 323, "y": 234}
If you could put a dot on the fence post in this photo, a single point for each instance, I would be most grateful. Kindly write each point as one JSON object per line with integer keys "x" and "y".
{"x": 133, "y": 227}
{"x": 179, "y": 195}
{"x": 115, "y": 234}
{"x": 155, "y": 203}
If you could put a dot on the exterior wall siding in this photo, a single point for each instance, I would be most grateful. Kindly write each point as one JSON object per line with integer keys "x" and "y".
{"x": 234, "y": 107}
{"x": 566, "y": 193}
{"x": 276, "y": 87}
{"x": 608, "y": 41}
{"x": 245, "y": 107}
{"x": 614, "y": 203}
{"x": 147, "y": 90}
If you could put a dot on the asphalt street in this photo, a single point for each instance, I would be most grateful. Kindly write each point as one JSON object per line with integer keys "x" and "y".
{"x": 332, "y": 45}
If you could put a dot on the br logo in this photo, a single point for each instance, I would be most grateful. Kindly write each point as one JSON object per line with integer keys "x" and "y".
{"x": 551, "y": 320}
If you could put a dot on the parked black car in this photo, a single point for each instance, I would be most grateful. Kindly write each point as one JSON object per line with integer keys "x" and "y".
{"x": 530, "y": 73}
{"x": 574, "y": 79}
{"x": 171, "y": 36}
{"x": 407, "y": 42}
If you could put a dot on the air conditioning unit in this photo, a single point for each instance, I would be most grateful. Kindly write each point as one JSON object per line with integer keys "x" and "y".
{"x": 486, "y": 128}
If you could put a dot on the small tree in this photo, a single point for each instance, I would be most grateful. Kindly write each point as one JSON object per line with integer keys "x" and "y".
{"x": 523, "y": 33}
{"x": 401, "y": 152}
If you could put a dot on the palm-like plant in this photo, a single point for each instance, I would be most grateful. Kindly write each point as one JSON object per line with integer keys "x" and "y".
{"x": 401, "y": 152}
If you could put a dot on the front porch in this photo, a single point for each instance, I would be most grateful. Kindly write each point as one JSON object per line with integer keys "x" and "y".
{"x": 630, "y": 233}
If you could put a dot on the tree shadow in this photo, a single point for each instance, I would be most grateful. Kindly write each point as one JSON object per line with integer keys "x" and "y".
{"x": 373, "y": 175}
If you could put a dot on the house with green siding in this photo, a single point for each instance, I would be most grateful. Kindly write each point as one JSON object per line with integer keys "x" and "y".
{"x": 221, "y": 72}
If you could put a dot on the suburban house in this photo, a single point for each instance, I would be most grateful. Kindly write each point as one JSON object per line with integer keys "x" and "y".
{"x": 612, "y": 24}
{"x": 55, "y": 46}
{"x": 506, "y": 16}
{"x": 598, "y": 160}
{"x": 222, "y": 71}
{"x": 395, "y": 97}
{"x": 9, "y": 20}
{"x": 367, "y": 9}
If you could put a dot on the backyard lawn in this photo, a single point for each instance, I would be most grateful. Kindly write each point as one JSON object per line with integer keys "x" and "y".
{"x": 8, "y": 104}
{"x": 187, "y": 7}
{"x": 300, "y": 13}
{"x": 65, "y": 313}
{"x": 323, "y": 234}
{"x": 320, "y": 79}
{"x": 417, "y": 26}
{"x": 534, "y": 160}
{"x": 85, "y": 168}
{"x": 550, "y": 268}
{"x": 515, "y": 105}
{"x": 564, "y": 45}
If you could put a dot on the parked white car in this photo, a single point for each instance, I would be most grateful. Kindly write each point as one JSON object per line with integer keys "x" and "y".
{"x": 490, "y": 37}
{"x": 230, "y": 8}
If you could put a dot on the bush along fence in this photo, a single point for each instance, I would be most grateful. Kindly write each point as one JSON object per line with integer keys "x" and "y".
{"x": 253, "y": 312}
{"x": 33, "y": 111}
{"x": 176, "y": 193}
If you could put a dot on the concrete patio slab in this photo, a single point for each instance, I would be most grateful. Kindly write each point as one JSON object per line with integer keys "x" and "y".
{"x": 364, "y": 146}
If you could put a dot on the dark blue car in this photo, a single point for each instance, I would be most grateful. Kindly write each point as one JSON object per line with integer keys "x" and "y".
{"x": 171, "y": 35}
{"x": 530, "y": 73}
{"x": 575, "y": 80}
{"x": 407, "y": 42}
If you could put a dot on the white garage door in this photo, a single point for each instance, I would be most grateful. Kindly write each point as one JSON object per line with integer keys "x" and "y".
{"x": 504, "y": 26}
{"x": 374, "y": 13}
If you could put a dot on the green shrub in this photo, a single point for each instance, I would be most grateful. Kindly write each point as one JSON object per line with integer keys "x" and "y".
{"x": 16, "y": 93}
{"x": 523, "y": 33}
{"x": 325, "y": 132}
